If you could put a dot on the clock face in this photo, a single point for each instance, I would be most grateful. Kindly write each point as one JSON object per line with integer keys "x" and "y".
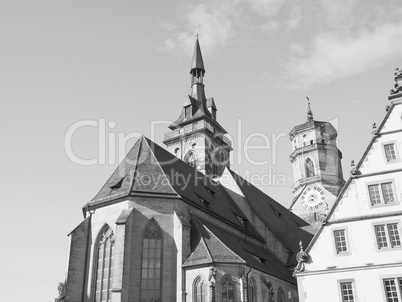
{"x": 313, "y": 198}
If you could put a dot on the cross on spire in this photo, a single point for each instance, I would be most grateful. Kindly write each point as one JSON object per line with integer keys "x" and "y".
{"x": 196, "y": 28}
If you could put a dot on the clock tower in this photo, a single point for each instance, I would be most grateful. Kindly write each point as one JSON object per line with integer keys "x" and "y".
{"x": 317, "y": 170}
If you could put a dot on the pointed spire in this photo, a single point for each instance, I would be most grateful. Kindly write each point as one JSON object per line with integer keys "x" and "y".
{"x": 309, "y": 111}
{"x": 197, "y": 64}
{"x": 197, "y": 74}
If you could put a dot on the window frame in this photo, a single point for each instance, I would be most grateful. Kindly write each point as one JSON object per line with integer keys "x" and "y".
{"x": 394, "y": 144}
{"x": 102, "y": 239}
{"x": 199, "y": 280}
{"x": 396, "y": 277}
{"x": 379, "y": 183}
{"x": 230, "y": 278}
{"x": 354, "y": 291}
{"x": 149, "y": 223}
{"x": 348, "y": 247}
{"x": 252, "y": 289}
{"x": 389, "y": 247}
{"x": 309, "y": 167}
{"x": 187, "y": 108}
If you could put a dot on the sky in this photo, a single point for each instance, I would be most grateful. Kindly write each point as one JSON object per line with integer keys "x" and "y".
{"x": 81, "y": 80}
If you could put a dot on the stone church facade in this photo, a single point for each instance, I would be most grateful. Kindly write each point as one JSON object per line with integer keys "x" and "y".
{"x": 163, "y": 228}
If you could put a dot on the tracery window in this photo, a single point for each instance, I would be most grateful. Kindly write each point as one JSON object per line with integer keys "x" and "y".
{"x": 281, "y": 295}
{"x": 252, "y": 290}
{"x": 151, "y": 263}
{"x": 309, "y": 167}
{"x": 199, "y": 290}
{"x": 228, "y": 289}
{"x": 104, "y": 267}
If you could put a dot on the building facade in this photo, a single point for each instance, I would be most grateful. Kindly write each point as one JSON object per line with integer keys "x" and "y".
{"x": 163, "y": 228}
{"x": 356, "y": 255}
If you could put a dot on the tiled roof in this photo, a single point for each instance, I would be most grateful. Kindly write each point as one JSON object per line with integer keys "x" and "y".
{"x": 220, "y": 246}
{"x": 149, "y": 168}
{"x": 283, "y": 223}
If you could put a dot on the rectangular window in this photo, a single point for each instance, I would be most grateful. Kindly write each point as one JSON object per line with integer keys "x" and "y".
{"x": 347, "y": 292}
{"x": 381, "y": 194}
{"x": 390, "y": 154}
{"x": 387, "y": 235}
{"x": 393, "y": 289}
{"x": 340, "y": 241}
{"x": 187, "y": 111}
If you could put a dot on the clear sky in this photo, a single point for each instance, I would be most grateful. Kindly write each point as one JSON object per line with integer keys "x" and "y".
{"x": 127, "y": 63}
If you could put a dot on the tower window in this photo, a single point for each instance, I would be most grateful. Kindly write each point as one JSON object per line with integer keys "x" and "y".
{"x": 309, "y": 167}
{"x": 311, "y": 142}
{"x": 104, "y": 268}
{"x": 151, "y": 263}
{"x": 213, "y": 114}
{"x": 191, "y": 159}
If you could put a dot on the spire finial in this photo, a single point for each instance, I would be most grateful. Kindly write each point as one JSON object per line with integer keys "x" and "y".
{"x": 196, "y": 28}
{"x": 309, "y": 111}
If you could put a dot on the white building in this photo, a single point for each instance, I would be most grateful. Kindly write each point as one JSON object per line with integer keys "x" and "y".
{"x": 356, "y": 255}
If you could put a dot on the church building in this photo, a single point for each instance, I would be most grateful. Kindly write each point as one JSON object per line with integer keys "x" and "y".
{"x": 163, "y": 228}
{"x": 356, "y": 254}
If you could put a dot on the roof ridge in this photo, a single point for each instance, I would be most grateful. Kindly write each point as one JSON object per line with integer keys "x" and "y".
{"x": 158, "y": 163}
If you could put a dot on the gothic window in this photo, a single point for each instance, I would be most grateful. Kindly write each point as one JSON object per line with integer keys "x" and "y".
{"x": 309, "y": 167}
{"x": 280, "y": 295}
{"x": 199, "y": 290}
{"x": 252, "y": 290}
{"x": 151, "y": 263}
{"x": 191, "y": 159}
{"x": 104, "y": 267}
{"x": 228, "y": 289}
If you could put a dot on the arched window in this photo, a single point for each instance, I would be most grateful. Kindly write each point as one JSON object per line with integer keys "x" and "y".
{"x": 280, "y": 295}
{"x": 228, "y": 289}
{"x": 199, "y": 290}
{"x": 309, "y": 167}
{"x": 104, "y": 267}
{"x": 252, "y": 290}
{"x": 191, "y": 159}
{"x": 151, "y": 263}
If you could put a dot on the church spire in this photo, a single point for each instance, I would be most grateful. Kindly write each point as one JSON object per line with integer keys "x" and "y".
{"x": 197, "y": 73}
{"x": 197, "y": 64}
{"x": 309, "y": 111}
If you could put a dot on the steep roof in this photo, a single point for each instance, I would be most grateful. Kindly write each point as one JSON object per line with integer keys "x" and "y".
{"x": 149, "y": 168}
{"x": 197, "y": 62}
{"x": 215, "y": 245}
{"x": 280, "y": 221}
